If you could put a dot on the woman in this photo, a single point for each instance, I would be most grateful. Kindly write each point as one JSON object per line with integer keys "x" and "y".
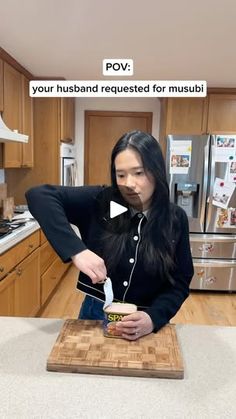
{"x": 148, "y": 259}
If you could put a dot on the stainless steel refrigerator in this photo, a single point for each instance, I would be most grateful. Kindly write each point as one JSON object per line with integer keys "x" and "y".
{"x": 202, "y": 177}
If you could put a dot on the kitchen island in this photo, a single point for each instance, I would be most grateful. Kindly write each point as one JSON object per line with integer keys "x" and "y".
{"x": 27, "y": 390}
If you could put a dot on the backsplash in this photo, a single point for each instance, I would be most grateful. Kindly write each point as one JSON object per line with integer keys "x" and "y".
{"x": 2, "y": 176}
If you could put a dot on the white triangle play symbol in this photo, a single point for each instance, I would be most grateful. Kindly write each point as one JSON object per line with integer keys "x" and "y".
{"x": 116, "y": 209}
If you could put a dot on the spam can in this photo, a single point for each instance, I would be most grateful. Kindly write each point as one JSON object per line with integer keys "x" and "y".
{"x": 113, "y": 314}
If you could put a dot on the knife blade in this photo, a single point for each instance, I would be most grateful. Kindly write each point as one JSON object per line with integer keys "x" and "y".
{"x": 108, "y": 291}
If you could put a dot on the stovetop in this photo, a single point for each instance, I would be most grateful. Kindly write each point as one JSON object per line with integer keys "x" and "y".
{"x": 13, "y": 232}
{"x": 8, "y": 227}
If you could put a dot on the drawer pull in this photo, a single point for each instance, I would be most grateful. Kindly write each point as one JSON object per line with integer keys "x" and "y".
{"x": 1, "y": 268}
{"x": 19, "y": 271}
{"x": 31, "y": 246}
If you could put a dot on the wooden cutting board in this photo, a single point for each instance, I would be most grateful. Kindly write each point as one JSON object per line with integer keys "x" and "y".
{"x": 81, "y": 347}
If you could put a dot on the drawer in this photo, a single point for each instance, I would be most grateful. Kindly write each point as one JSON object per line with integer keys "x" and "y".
{"x": 16, "y": 254}
{"x": 214, "y": 274}
{"x": 51, "y": 277}
{"x": 47, "y": 256}
{"x": 213, "y": 246}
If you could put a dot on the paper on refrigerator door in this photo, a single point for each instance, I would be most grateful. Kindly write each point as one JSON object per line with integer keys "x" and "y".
{"x": 107, "y": 287}
{"x": 180, "y": 157}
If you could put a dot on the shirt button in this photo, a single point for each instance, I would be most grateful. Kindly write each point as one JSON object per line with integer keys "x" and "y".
{"x": 135, "y": 238}
{"x": 125, "y": 283}
{"x": 140, "y": 215}
{"x": 131, "y": 260}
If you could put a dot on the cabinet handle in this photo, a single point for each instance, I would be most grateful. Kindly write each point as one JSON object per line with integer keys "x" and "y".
{"x": 31, "y": 246}
{"x": 1, "y": 268}
{"x": 67, "y": 140}
{"x": 19, "y": 271}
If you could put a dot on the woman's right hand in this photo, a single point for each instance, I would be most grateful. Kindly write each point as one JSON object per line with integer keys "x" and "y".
{"x": 90, "y": 264}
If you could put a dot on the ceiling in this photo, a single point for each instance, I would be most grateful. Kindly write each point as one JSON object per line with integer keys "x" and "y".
{"x": 167, "y": 39}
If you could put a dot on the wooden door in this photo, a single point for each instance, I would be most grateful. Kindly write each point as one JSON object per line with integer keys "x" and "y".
{"x": 102, "y": 130}
{"x": 12, "y": 114}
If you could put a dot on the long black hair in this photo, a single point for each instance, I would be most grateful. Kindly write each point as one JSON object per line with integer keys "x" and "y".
{"x": 156, "y": 245}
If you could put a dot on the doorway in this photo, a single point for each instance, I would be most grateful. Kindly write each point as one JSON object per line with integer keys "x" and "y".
{"x": 102, "y": 130}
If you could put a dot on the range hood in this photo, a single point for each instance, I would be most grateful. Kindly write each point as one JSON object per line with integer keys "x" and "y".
{"x": 8, "y": 136}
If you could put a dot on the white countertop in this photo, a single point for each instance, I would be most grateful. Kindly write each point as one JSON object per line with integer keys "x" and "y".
{"x": 17, "y": 235}
{"x": 28, "y": 391}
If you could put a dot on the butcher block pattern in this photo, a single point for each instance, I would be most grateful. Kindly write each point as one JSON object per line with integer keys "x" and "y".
{"x": 81, "y": 347}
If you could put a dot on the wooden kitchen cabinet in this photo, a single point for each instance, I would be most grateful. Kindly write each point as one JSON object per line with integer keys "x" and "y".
{"x": 67, "y": 119}
{"x": 18, "y": 114}
{"x": 51, "y": 268}
{"x": 12, "y": 113}
{"x": 29, "y": 273}
{"x": 16, "y": 264}
{"x": 1, "y": 85}
{"x": 47, "y": 256}
{"x": 186, "y": 116}
{"x": 7, "y": 296}
{"x": 20, "y": 289}
{"x": 222, "y": 114}
{"x": 27, "y": 286}
{"x": 16, "y": 254}
{"x": 51, "y": 278}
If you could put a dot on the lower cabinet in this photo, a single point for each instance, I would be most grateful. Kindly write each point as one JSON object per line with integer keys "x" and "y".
{"x": 27, "y": 286}
{"x": 20, "y": 289}
{"x": 7, "y": 295}
{"x": 51, "y": 278}
{"x": 29, "y": 272}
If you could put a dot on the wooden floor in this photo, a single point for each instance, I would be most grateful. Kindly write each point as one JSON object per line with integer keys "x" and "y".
{"x": 200, "y": 308}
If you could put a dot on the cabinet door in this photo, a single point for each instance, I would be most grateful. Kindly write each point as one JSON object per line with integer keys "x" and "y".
{"x": 27, "y": 121}
{"x": 7, "y": 295}
{"x": 222, "y": 114}
{"x": 46, "y": 141}
{"x": 27, "y": 286}
{"x": 12, "y": 114}
{"x": 1, "y": 85}
{"x": 68, "y": 119}
{"x": 47, "y": 256}
{"x": 186, "y": 116}
{"x": 51, "y": 278}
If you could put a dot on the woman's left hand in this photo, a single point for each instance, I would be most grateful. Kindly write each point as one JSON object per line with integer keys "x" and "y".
{"x": 135, "y": 325}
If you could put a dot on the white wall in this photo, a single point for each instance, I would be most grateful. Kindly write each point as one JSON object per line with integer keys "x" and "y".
{"x": 111, "y": 104}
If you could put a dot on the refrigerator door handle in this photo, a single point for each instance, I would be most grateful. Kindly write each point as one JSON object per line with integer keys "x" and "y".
{"x": 211, "y": 185}
{"x": 205, "y": 182}
{"x": 214, "y": 263}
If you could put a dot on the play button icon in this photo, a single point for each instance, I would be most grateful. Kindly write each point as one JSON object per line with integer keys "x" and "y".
{"x": 112, "y": 211}
{"x": 116, "y": 209}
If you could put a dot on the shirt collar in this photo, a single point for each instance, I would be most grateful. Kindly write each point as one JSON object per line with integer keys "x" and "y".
{"x": 134, "y": 211}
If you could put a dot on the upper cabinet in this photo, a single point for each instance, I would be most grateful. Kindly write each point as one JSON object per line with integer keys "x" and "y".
{"x": 12, "y": 113}
{"x": 215, "y": 114}
{"x": 186, "y": 116}
{"x": 222, "y": 114}
{"x": 67, "y": 120}
{"x": 1, "y": 85}
{"x": 17, "y": 115}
